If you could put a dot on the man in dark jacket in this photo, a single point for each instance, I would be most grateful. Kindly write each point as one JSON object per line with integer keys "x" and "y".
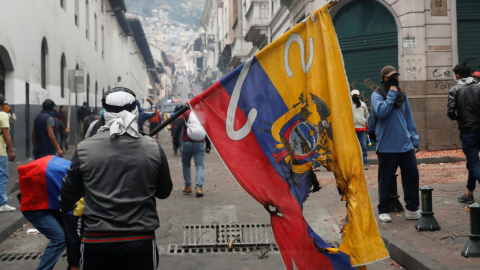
{"x": 45, "y": 132}
{"x": 119, "y": 172}
{"x": 464, "y": 107}
{"x": 83, "y": 112}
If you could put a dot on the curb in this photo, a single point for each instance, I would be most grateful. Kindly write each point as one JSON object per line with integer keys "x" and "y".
{"x": 406, "y": 255}
{"x": 431, "y": 160}
{"x": 14, "y": 224}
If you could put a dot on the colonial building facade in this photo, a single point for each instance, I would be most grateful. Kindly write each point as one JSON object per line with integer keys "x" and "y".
{"x": 425, "y": 39}
{"x": 41, "y": 41}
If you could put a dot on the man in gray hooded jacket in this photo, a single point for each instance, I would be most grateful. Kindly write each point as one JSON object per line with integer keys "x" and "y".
{"x": 119, "y": 171}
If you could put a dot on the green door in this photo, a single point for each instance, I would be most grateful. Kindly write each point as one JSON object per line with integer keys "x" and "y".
{"x": 368, "y": 38}
{"x": 468, "y": 28}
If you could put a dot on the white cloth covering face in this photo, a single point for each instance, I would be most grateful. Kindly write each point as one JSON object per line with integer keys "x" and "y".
{"x": 124, "y": 121}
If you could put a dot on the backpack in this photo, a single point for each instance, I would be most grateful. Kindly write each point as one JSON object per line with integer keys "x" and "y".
{"x": 372, "y": 123}
{"x": 195, "y": 129}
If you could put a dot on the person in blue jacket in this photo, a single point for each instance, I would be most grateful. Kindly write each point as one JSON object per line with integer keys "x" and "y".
{"x": 397, "y": 139}
{"x": 144, "y": 115}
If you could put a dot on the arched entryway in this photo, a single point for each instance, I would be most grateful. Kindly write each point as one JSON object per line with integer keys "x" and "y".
{"x": 468, "y": 22}
{"x": 368, "y": 38}
{"x": 6, "y": 65}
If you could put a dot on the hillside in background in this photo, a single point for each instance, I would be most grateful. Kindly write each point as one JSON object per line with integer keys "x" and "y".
{"x": 184, "y": 11}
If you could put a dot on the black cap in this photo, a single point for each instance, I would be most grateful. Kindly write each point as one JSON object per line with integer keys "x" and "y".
{"x": 48, "y": 105}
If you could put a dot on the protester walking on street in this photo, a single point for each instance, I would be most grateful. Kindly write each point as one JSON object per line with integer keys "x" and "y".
{"x": 63, "y": 136}
{"x": 397, "y": 137}
{"x": 155, "y": 122}
{"x": 62, "y": 129}
{"x": 360, "y": 121}
{"x": 177, "y": 137}
{"x": 5, "y": 142}
{"x": 464, "y": 107}
{"x": 83, "y": 112}
{"x": 194, "y": 139}
{"x": 119, "y": 172}
{"x": 45, "y": 132}
{"x": 143, "y": 115}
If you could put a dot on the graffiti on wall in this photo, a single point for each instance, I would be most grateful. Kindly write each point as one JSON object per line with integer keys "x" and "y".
{"x": 365, "y": 94}
{"x": 413, "y": 69}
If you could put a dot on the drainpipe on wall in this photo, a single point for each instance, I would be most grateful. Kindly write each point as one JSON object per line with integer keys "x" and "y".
{"x": 269, "y": 29}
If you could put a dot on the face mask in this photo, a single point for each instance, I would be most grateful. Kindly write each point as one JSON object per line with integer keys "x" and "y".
{"x": 392, "y": 82}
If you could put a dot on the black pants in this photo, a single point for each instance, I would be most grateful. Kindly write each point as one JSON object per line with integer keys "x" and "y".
{"x": 63, "y": 141}
{"x": 133, "y": 255}
{"x": 72, "y": 226}
{"x": 388, "y": 164}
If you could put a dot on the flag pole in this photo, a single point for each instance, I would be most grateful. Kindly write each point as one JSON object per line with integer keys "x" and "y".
{"x": 182, "y": 110}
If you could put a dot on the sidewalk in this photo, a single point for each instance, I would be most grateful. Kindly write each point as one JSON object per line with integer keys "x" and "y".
{"x": 11, "y": 221}
{"x": 424, "y": 157}
{"x": 412, "y": 249}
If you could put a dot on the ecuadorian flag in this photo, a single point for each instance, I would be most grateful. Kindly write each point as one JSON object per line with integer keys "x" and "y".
{"x": 270, "y": 118}
{"x": 40, "y": 183}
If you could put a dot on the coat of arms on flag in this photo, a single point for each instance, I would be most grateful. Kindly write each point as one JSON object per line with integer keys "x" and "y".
{"x": 275, "y": 114}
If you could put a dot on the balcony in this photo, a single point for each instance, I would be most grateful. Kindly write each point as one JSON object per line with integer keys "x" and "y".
{"x": 240, "y": 50}
{"x": 257, "y": 23}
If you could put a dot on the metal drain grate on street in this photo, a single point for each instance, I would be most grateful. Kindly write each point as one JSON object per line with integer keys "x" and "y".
{"x": 22, "y": 256}
{"x": 178, "y": 249}
{"x": 250, "y": 237}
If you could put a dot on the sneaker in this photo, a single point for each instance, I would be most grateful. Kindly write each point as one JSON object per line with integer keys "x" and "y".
{"x": 7, "y": 208}
{"x": 175, "y": 154}
{"x": 187, "y": 189}
{"x": 465, "y": 199}
{"x": 365, "y": 167}
{"x": 316, "y": 169}
{"x": 199, "y": 192}
{"x": 412, "y": 214}
{"x": 385, "y": 218}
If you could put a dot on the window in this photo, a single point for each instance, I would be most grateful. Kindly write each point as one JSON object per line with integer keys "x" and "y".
{"x": 95, "y": 31}
{"x": 87, "y": 19}
{"x": 103, "y": 43}
{"x": 43, "y": 63}
{"x": 77, "y": 12}
{"x": 63, "y": 67}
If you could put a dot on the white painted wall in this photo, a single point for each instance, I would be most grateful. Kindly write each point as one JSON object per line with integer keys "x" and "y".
{"x": 23, "y": 25}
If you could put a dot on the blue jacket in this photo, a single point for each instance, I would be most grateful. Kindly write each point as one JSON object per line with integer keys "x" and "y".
{"x": 395, "y": 128}
{"x": 143, "y": 115}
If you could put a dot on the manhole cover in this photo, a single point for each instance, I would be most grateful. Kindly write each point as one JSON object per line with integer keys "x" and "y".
{"x": 458, "y": 240}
